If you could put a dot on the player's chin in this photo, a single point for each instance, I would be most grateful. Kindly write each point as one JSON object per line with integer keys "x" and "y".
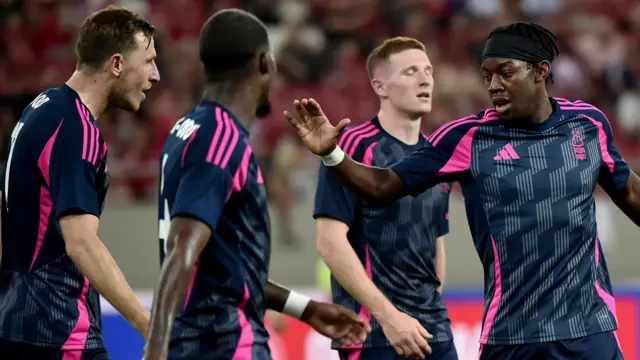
{"x": 421, "y": 109}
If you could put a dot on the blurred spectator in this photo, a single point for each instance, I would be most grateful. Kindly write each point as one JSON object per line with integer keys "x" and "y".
{"x": 321, "y": 47}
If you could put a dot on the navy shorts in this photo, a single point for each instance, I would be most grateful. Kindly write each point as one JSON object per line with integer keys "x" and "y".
{"x": 15, "y": 350}
{"x": 445, "y": 350}
{"x": 602, "y": 346}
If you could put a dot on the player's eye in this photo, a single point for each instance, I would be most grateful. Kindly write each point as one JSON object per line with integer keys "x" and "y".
{"x": 507, "y": 74}
{"x": 410, "y": 71}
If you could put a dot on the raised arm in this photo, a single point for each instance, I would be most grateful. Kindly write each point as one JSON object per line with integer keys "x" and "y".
{"x": 447, "y": 161}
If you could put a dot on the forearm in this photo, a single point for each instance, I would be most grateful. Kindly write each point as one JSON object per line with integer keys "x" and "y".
{"x": 95, "y": 262}
{"x": 345, "y": 266}
{"x": 379, "y": 184}
{"x": 170, "y": 294}
{"x": 287, "y": 301}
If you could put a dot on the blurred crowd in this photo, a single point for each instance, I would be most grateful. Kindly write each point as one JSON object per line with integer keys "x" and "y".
{"x": 321, "y": 47}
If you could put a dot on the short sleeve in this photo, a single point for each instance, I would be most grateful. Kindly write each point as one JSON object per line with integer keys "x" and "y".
{"x": 205, "y": 184}
{"x": 333, "y": 199}
{"x": 614, "y": 171}
{"x": 71, "y": 170}
{"x": 442, "y": 220}
{"x": 445, "y": 158}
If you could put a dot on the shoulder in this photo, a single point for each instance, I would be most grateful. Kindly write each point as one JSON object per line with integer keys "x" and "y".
{"x": 582, "y": 109}
{"x": 357, "y": 140}
{"x": 210, "y": 133}
{"x": 456, "y": 129}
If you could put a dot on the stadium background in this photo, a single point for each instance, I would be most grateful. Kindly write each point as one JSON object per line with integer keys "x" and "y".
{"x": 321, "y": 46}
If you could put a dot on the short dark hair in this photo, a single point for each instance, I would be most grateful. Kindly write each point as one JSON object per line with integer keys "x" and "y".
{"x": 230, "y": 40}
{"x": 532, "y": 31}
{"x": 109, "y": 31}
{"x": 389, "y": 47}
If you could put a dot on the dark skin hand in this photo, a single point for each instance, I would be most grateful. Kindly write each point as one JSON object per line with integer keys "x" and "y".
{"x": 187, "y": 238}
{"x": 379, "y": 184}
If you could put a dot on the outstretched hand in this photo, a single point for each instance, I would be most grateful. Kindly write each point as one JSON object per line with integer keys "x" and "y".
{"x": 336, "y": 322}
{"x": 313, "y": 127}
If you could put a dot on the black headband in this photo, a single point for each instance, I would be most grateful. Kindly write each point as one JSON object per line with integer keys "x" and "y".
{"x": 515, "y": 47}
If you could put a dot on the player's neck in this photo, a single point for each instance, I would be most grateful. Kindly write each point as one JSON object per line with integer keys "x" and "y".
{"x": 93, "y": 91}
{"x": 544, "y": 110}
{"x": 400, "y": 126}
{"x": 235, "y": 99}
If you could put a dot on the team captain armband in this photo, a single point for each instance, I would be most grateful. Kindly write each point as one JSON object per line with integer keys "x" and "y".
{"x": 333, "y": 158}
{"x": 296, "y": 304}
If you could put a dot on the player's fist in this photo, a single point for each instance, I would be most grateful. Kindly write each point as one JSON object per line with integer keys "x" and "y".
{"x": 336, "y": 322}
{"x": 313, "y": 127}
{"x": 406, "y": 335}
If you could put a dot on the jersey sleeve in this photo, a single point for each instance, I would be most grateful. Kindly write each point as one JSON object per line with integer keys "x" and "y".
{"x": 334, "y": 199}
{"x": 614, "y": 171}
{"x": 445, "y": 158}
{"x": 442, "y": 220}
{"x": 71, "y": 169}
{"x": 206, "y": 179}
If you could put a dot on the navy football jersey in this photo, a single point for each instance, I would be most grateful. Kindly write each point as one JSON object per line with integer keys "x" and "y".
{"x": 209, "y": 172}
{"x": 530, "y": 203}
{"x": 396, "y": 243}
{"x": 56, "y": 167}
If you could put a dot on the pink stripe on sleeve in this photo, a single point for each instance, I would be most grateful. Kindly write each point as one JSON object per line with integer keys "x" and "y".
{"x": 216, "y": 136}
{"x": 85, "y": 139}
{"x": 232, "y": 145}
{"x": 358, "y": 139}
{"x": 225, "y": 139}
{"x": 347, "y": 134}
{"x": 355, "y": 134}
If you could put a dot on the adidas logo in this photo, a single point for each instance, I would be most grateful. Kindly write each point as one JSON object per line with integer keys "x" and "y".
{"x": 507, "y": 153}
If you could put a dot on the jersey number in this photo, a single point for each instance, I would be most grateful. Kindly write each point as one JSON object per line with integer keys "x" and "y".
{"x": 14, "y": 137}
{"x": 164, "y": 222}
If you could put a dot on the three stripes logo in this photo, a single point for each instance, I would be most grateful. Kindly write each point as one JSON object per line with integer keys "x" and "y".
{"x": 507, "y": 153}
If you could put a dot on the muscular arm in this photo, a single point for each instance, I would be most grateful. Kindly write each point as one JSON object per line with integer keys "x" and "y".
{"x": 95, "y": 262}
{"x": 440, "y": 262}
{"x": 628, "y": 199}
{"x": 334, "y": 248}
{"x": 380, "y": 184}
{"x": 187, "y": 237}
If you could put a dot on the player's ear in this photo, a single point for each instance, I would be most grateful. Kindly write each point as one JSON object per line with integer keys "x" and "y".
{"x": 543, "y": 70}
{"x": 266, "y": 63}
{"x": 115, "y": 64}
{"x": 378, "y": 87}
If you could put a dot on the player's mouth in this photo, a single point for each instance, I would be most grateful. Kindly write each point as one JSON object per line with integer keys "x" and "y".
{"x": 501, "y": 104}
{"x": 424, "y": 96}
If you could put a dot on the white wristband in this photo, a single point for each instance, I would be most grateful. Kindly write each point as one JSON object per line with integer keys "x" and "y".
{"x": 295, "y": 305}
{"x": 333, "y": 158}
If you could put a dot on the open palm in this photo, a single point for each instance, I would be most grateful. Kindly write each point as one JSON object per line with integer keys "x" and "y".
{"x": 313, "y": 127}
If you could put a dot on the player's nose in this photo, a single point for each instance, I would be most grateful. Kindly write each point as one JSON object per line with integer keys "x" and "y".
{"x": 155, "y": 74}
